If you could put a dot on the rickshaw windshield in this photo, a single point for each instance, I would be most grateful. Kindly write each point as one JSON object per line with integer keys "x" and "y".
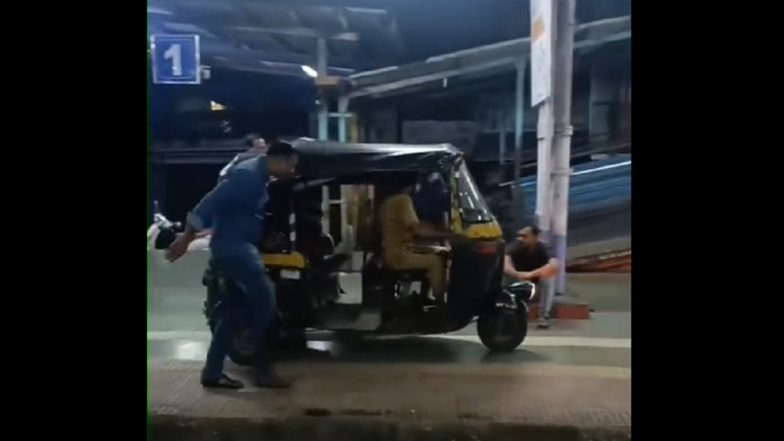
{"x": 473, "y": 208}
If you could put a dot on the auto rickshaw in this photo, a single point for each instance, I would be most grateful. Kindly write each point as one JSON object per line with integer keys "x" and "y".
{"x": 302, "y": 262}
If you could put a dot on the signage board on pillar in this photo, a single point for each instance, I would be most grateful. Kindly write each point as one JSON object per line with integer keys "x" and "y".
{"x": 541, "y": 50}
{"x": 175, "y": 59}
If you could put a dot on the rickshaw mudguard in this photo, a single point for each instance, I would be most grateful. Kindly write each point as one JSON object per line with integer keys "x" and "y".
{"x": 475, "y": 277}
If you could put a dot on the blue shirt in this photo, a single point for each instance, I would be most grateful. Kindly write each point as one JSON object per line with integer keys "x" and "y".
{"x": 244, "y": 156}
{"x": 234, "y": 209}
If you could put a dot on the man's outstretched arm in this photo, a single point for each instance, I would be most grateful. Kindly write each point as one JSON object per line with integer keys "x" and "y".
{"x": 227, "y": 193}
{"x": 548, "y": 270}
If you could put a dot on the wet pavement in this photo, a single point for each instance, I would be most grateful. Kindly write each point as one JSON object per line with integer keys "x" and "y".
{"x": 575, "y": 375}
{"x": 177, "y": 330}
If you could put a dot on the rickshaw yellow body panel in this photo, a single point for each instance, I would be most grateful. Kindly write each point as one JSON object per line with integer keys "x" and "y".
{"x": 290, "y": 260}
{"x": 485, "y": 230}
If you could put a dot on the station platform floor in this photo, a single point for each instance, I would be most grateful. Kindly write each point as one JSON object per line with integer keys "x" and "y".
{"x": 568, "y": 382}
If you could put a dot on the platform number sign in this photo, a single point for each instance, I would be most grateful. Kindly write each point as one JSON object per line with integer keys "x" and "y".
{"x": 175, "y": 59}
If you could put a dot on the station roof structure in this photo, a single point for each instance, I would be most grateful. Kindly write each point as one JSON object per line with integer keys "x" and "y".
{"x": 483, "y": 61}
{"x": 279, "y": 37}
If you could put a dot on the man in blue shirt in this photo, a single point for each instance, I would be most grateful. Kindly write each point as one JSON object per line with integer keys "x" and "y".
{"x": 234, "y": 210}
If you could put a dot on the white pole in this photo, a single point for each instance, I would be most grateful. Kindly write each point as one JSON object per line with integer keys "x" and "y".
{"x": 544, "y": 137}
{"x": 323, "y": 125}
{"x": 344, "y": 189}
{"x": 323, "y": 111}
{"x": 517, "y": 194}
{"x": 562, "y": 82}
{"x": 501, "y": 115}
{"x": 541, "y": 94}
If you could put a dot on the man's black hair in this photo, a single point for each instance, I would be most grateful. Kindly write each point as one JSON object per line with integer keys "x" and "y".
{"x": 281, "y": 149}
{"x": 535, "y": 230}
{"x": 250, "y": 139}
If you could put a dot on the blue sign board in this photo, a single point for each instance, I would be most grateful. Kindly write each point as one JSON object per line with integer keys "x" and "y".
{"x": 175, "y": 59}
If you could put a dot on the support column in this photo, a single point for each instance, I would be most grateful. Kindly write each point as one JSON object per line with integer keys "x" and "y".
{"x": 323, "y": 111}
{"x": 562, "y": 88}
{"x": 517, "y": 192}
{"x": 345, "y": 190}
{"x": 544, "y": 139}
{"x": 599, "y": 102}
{"x": 542, "y": 36}
{"x": 501, "y": 115}
{"x": 342, "y": 118}
{"x": 323, "y": 124}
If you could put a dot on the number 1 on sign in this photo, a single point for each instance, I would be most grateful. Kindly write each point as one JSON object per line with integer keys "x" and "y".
{"x": 174, "y": 53}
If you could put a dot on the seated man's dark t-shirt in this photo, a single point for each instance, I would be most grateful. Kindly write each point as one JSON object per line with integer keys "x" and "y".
{"x": 529, "y": 259}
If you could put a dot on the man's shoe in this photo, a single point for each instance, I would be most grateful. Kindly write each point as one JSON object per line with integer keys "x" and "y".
{"x": 543, "y": 323}
{"x": 224, "y": 382}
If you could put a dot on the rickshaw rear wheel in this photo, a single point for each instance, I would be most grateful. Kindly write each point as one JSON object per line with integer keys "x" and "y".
{"x": 240, "y": 352}
{"x": 240, "y": 358}
{"x": 290, "y": 340}
{"x": 504, "y": 330}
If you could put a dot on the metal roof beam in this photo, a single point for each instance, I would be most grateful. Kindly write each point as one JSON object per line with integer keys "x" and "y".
{"x": 489, "y": 57}
{"x": 225, "y": 56}
{"x": 299, "y": 32}
{"x": 403, "y": 84}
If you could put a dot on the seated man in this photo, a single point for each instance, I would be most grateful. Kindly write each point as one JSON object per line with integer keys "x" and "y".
{"x": 528, "y": 260}
{"x": 399, "y": 227}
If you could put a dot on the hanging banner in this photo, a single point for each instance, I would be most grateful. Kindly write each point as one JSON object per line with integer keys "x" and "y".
{"x": 541, "y": 50}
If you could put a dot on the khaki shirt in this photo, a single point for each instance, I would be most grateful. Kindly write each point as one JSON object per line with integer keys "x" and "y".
{"x": 398, "y": 221}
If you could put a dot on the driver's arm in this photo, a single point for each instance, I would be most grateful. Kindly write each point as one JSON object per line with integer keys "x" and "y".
{"x": 550, "y": 269}
{"x": 421, "y": 232}
{"x": 411, "y": 221}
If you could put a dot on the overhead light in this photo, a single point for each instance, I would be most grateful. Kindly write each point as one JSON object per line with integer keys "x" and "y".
{"x": 216, "y": 106}
{"x": 309, "y": 71}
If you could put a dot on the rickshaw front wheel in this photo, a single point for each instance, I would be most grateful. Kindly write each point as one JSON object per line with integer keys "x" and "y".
{"x": 503, "y": 330}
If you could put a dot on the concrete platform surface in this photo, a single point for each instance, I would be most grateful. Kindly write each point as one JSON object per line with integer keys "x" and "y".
{"x": 571, "y": 382}
{"x": 535, "y": 400}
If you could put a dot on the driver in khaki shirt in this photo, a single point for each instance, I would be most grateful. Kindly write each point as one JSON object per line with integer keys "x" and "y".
{"x": 400, "y": 227}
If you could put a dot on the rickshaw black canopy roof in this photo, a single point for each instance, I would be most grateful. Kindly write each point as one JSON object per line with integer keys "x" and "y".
{"x": 328, "y": 159}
